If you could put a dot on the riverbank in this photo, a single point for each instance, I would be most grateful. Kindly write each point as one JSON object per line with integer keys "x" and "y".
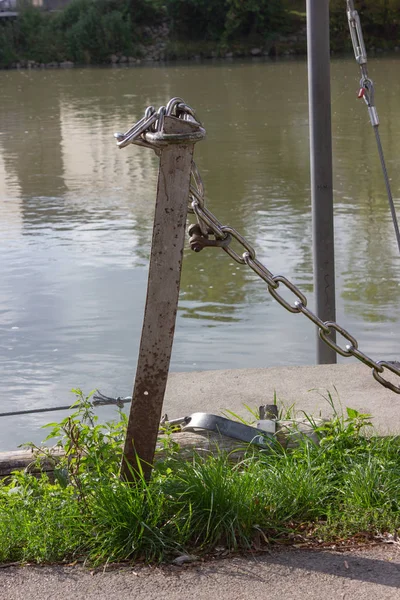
{"x": 130, "y": 61}
{"x": 117, "y": 32}
{"x": 340, "y": 490}
{"x": 162, "y": 49}
{"x": 161, "y": 52}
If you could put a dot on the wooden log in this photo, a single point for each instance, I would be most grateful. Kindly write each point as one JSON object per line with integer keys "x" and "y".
{"x": 289, "y": 434}
{"x": 20, "y": 460}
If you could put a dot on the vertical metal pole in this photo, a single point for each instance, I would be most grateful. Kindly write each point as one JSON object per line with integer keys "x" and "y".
{"x": 321, "y": 167}
{"x": 161, "y": 302}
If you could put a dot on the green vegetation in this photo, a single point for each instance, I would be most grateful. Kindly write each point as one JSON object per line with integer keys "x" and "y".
{"x": 224, "y": 20}
{"x": 87, "y": 31}
{"x": 348, "y": 486}
{"x": 91, "y": 31}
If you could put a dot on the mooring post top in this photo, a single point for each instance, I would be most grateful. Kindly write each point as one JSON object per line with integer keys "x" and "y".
{"x": 155, "y": 128}
{"x": 175, "y": 131}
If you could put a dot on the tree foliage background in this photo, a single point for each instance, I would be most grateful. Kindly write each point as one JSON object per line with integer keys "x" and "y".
{"x": 89, "y": 31}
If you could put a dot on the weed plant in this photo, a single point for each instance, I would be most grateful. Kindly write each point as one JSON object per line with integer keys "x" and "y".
{"x": 345, "y": 487}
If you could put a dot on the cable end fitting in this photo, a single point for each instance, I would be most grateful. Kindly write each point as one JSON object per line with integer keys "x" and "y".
{"x": 373, "y": 115}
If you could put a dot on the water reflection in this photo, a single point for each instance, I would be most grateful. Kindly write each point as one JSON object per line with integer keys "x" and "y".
{"x": 76, "y": 222}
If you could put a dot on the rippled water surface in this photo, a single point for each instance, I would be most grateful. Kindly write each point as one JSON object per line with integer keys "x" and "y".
{"x": 76, "y": 220}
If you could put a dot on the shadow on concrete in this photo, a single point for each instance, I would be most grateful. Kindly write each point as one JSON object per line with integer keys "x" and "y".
{"x": 383, "y": 568}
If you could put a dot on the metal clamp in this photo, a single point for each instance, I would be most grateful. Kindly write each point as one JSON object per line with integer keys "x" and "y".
{"x": 367, "y": 93}
{"x": 100, "y": 399}
{"x": 198, "y": 241}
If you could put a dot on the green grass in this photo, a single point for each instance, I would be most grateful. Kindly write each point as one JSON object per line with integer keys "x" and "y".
{"x": 345, "y": 487}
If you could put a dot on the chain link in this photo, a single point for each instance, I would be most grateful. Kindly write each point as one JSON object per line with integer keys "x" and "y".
{"x": 393, "y": 367}
{"x": 153, "y": 122}
{"x": 208, "y": 224}
{"x": 335, "y": 327}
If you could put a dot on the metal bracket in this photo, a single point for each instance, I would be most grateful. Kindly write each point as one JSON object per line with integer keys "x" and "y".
{"x": 198, "y": 241}
{"x": 223, "y": 426}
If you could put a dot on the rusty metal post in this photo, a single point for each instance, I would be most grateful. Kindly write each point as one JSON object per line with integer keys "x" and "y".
{"x": 162, "y": 299}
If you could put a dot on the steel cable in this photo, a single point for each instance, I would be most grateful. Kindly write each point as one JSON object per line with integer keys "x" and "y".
{"x": 367, "y": 93}
{"x": 387, "y": 184}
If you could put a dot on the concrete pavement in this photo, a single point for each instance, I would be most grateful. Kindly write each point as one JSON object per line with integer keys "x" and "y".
{"x": 289, "y": 575}
{"x": 305, "y": 386}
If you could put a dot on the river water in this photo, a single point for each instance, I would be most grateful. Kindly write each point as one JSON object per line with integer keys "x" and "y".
{"x": 76, "y": 221}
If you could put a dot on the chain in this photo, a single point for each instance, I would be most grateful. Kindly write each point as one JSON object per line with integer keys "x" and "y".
{"x": 223, "y": 236}
{"x": 208, "y": 225}
{"x": 153, "y": 123}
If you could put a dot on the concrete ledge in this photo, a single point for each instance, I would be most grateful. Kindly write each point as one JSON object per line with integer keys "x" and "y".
{"x": 216, "y": 391}
{"x": 304, "y": 387}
